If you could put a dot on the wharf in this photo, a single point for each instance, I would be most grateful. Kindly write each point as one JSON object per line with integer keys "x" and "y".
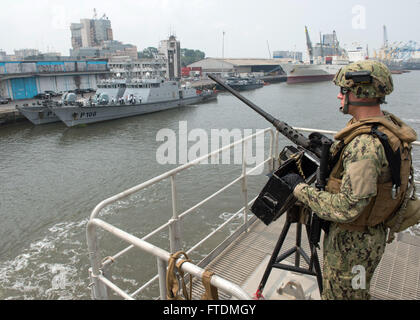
{"x": 9, "y": 114}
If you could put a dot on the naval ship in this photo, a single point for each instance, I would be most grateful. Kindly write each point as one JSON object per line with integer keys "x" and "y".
{"x": 325, "y": 60}
{"x": 299, "y": 73}
{"x": 38, "y": 113}
{"x": 117, "y": 98}
{"x": 242, "y": 83}
{"x": 122, "y": 98}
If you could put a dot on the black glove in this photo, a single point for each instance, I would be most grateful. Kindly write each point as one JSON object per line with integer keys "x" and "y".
{"x": 292, "y": 180}
{"x": 316, "y": 139}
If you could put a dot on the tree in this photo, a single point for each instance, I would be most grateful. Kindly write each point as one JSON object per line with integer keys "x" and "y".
{"x": 189, "y": 56}
{"x": 148, "y": 53}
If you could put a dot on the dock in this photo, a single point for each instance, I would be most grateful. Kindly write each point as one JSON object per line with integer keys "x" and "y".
{"x": 9, "y": 114}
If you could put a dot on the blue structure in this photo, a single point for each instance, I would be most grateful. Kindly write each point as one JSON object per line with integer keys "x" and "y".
{"x": 24, "y": 88}
{"x": 25, "y": 79}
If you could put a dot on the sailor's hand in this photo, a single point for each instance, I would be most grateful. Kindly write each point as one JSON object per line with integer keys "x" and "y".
{"x": 316, "y": 139}
{"x": 292, "y": 180}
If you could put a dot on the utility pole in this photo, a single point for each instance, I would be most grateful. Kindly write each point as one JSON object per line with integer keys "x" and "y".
{"x": 269, "y": 51}
{"x": 223, "y": 52}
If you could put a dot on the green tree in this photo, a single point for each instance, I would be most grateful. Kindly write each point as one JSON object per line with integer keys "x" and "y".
{"x": 148, "y": 53}
{"x": 189, "y": 56}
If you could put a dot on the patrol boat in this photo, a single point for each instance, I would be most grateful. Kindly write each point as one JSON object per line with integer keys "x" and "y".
{"x": 120, "y": 98}
{"x": 37, "y": 113}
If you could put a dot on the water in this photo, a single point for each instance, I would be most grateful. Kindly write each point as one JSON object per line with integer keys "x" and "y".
{"x": 52, "y": 177}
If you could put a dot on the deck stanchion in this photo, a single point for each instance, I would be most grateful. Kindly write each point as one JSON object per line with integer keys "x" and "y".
{"x": 175, "y": 233}
{"x": 244, "y": 184}
{"x": 162, "y": 265}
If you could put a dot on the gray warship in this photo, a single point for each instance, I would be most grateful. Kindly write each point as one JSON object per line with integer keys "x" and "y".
{"x": 120, "y": 98}
{"x": 38, "y": 113}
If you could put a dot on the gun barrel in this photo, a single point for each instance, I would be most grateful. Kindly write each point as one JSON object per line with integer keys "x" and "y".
{"x": 288, "y": 131}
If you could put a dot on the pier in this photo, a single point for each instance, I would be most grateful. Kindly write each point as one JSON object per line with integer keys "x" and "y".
{"x": 9, "y": 114}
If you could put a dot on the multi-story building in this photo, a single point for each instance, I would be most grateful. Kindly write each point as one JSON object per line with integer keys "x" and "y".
{"x": 21, "y": 54}
{"x": 171, "y": 49}
{"x": 121, "y": 66}
{"x": 76, "y": 35}
{"x": 294, "y": 55}
{"x": 91, "y": 32}
{"x": 93, "y": 38}
{"x": 108, "y": 49}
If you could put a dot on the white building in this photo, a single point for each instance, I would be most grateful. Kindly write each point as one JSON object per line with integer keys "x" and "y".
{"x": 171, "y": 49}
{"x": 140, "y": 68}
{"x": 91, "y": 32}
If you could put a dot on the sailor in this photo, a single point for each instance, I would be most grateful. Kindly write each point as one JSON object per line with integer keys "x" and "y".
{"x": 367, "y": 184}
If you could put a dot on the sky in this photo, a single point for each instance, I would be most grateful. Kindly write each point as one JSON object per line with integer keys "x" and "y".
{"x": 253, "y": 29}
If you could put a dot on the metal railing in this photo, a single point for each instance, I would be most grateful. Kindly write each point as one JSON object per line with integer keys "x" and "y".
{"x": 100, "y": 283}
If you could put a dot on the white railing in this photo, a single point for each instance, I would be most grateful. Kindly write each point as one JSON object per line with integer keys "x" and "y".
{"x": 100, "y": 284}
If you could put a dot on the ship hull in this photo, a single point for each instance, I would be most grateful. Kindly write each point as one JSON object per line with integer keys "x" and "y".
{"x": 240, "y": 87}
{"x": 302, "y": 73}
{"x": 38, "y": 114}
{"x": 304, "y": 79}
{"x": 247, "y": 87}
{"x": 74, "y": 115}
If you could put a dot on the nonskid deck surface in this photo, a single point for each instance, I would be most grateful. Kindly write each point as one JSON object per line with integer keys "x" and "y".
{"x": 396, "y": 278}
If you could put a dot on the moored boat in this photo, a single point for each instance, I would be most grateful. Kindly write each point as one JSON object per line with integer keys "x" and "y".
{"x": 38, "y": 113}
{"x": 122, "y": 98}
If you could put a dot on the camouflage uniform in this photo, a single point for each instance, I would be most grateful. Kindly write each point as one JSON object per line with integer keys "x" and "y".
{"x": 344, "y": 250}
{"x": 362, "y": 174}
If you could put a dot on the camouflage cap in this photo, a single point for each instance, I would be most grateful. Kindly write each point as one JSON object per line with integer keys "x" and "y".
{"x": 381, "y": 85}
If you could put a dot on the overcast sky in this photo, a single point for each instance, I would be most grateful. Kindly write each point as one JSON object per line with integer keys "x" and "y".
{"x": 252, "y": 27}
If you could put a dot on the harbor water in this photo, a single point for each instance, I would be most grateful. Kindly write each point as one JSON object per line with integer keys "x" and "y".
{"x": 53, "y": 176}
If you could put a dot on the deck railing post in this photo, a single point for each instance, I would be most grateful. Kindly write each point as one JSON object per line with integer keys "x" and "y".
{"x": 175, "y": 228}
{"x": 162, "y": 265}
{"x": 244, "y": 183}
{"x": 99, "y": 289}
{"x": 271, "y": 157}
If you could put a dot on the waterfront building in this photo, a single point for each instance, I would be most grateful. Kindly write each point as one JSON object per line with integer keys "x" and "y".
{"x": 171, "y": 49}
{"x": 91, "y": 32}
{"x": 293, "y": 55}
{"x": 121, "y": 66}
{"x": 237, "y": 66}
{"x": 25, "y": 79}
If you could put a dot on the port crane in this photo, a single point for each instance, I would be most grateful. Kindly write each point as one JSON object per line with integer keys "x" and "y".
{"x": 309, "y": 46}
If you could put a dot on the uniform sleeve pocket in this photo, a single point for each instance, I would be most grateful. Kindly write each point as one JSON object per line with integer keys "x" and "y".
{"x": 363, "y": 178}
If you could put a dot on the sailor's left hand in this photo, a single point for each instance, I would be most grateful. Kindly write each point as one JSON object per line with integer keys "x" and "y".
{"x": 292, "y": 180}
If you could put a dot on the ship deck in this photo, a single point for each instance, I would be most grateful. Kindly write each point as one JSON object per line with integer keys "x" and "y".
{"x": 243, "y": 262}
{"x": 239, "y": 261}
